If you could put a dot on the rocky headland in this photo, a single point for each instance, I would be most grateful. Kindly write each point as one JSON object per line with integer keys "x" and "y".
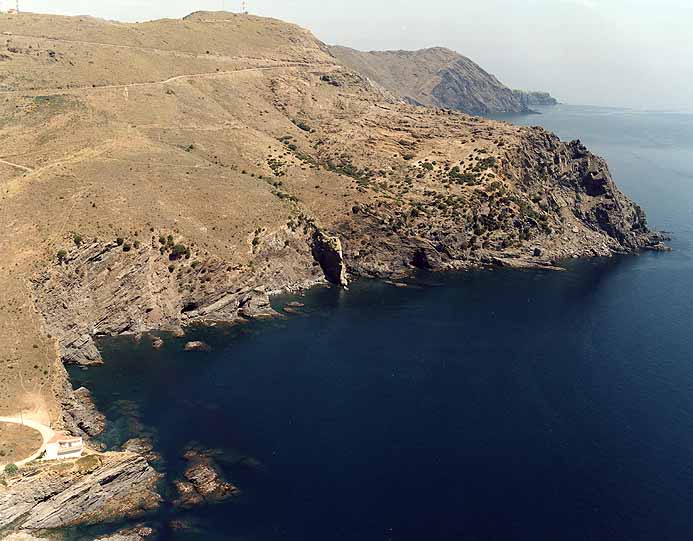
{"x": 179, "y": 172}
{"x": 439, "y": 77}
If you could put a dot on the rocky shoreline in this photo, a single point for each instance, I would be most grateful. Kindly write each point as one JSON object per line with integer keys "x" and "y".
{"x": 79, "y": 301}
{"x": 573, "y": 210}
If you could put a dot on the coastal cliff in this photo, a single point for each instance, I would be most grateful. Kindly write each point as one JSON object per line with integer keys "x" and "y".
{"x": 439, "y": 77}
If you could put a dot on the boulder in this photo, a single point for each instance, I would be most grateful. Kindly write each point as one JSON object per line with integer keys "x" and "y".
{"x": 197, "y": 346}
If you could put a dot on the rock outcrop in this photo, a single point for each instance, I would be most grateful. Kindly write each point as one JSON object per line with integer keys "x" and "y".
{"x": 536, "y": 99}
{"x": 203, "y": 482}
{"x": 439, "y": 77}
{"x": 143, "y": 447}
{"x": 327, "y": 251}
{"x": 139, "y": 533}
{"x": 22, "y": 536}
{"x": 82, "y": 410}
{"x": 197, "y": 346}
{"x": 92, "y": 489}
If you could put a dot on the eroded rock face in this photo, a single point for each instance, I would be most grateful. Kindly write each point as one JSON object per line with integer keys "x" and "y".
{"x": 327, "y": 251}
{"x": 93, "y": 489}
{"x": 100, "y": 290}
{"x": 88, "y": 419}
{"x": 585, "y": 191}
{"x": 79, "y": 413}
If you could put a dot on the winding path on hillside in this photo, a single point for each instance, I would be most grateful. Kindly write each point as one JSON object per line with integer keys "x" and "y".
{"x": 46, "y": 434}
{"x": 16, "y": 165}
{"x": 206, "y": 75}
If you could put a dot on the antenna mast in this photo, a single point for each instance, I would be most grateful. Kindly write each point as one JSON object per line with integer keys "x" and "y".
{"x": 244, "y": 7}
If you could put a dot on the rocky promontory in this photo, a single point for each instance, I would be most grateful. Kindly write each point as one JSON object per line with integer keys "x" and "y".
{"x": 92, "y": 489}
{"x": 439, "y": 77}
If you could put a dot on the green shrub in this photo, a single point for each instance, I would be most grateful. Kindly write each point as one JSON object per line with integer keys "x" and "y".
{"x": 302, "y": 125}
{"x": 11, "y": 469}
{"x": 77, "y": 239}
{"x": 180, "y": 250}
{"x": 120, "y": 241}
{"x": 62, "y": 254}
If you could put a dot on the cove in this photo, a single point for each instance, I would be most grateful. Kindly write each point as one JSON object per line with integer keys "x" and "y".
{"x": 484, "y": 405}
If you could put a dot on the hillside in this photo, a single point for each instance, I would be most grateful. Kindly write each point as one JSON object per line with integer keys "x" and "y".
{"x": 180, "y": 171}
{"x": 440, "y": 77}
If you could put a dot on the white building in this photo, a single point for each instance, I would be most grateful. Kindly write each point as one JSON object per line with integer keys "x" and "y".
{"x": 61, "y": 446}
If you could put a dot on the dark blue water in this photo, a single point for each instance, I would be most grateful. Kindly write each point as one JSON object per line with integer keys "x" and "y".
{"x": 481, "y": 406}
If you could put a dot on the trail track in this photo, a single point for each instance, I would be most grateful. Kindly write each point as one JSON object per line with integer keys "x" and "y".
{"x": 207, "y": 75}
{"x": 16, "y": 165}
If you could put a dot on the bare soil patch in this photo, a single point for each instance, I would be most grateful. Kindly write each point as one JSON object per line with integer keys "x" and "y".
{"x": 17, "y": 442}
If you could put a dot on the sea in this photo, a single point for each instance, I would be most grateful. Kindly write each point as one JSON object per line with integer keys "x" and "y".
{"x": 486, "y": 405}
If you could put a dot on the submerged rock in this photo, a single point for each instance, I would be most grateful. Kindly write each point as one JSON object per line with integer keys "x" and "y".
{"x": 157, "y": 343}
{"x": 138, "y": 533}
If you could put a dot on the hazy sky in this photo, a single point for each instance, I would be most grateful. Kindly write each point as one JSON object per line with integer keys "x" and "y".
{"x": 633, "y": 53}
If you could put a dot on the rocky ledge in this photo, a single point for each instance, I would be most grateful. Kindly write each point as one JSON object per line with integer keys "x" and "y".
{"x": 92, "y": 489}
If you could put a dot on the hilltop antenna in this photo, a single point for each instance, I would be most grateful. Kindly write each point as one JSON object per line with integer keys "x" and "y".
{"x": 244, "y": 7}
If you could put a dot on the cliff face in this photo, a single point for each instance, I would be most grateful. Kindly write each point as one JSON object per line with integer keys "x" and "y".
{"x": 440, "y": 77}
